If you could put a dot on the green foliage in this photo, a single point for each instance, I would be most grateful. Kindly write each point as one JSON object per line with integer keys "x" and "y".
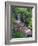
{"x": 30, "y": 24}
{"x": 19, "y": 34}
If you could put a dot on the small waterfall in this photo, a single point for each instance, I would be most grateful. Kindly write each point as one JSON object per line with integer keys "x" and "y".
{"x": 18, "y": 16}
